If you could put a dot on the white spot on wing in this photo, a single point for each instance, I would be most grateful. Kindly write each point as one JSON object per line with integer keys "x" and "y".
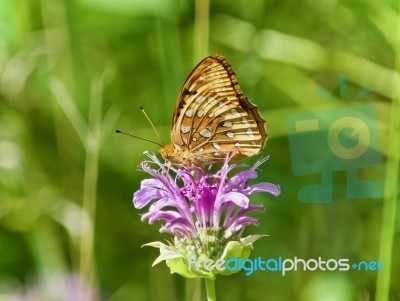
{"x": 216, "y": 154}
{"x": 211, "y": 100}
{"x": 189, "y": 112}
{"x": 230, "y": 134}
{"x": 200, "y": 98}
{"x": 237, "y": 144}
{"x": 206, "y": 133}
{"x": 185, "y": 140}
{"x": 235, "y": 113}
{"x": 227, "y": 124}
{"x": 245, "y": 121}
{"x": 201, "y": 149}
{"x": 222, "y": 105}
{"x": 185, "y": 129}
{"x": 211, "y": 115}
{"x": 250, "y": 133}
{"x": 200, "y": 113}
{"x": 216, "y": 145}
{"x": 194, "y": 139}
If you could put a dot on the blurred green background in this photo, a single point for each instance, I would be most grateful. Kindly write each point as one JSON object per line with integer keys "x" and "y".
{"x": 71, "y": 72}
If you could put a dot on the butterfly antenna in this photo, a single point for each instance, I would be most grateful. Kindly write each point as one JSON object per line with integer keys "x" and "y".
{"x": 152, "y": 125}
{"x": 121, "y": 132}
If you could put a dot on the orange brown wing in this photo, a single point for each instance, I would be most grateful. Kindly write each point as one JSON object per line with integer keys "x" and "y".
{"x": 212, "y": 117}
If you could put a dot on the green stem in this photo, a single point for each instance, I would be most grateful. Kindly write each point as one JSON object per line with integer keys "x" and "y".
{"x": 391, "y": 190}
{"x": 86, "y": 264}
{"x": 201, "y": 29}
{"x": 210, "y": 289}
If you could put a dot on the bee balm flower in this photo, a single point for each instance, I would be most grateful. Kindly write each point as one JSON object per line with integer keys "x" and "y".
{"x": 205, "y": 212}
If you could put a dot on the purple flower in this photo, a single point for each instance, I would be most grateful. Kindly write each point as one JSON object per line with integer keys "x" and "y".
{"x": 203, "y": 210}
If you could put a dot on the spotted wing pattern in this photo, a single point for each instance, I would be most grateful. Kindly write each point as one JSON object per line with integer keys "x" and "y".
{"x": 212, "y": 117}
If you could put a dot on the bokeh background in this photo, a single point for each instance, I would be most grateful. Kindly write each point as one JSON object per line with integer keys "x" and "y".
{"x": 71, "y": 72}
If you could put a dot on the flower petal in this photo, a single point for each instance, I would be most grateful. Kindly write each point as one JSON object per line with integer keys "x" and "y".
{"x": 161, "y": 215}
{"x": 240, "y": 223}
{"x": 240, "y": 177}
{"x": 161, "y": 203}
{"x": 241, "y": 212}
{"x": 181, "y": 222}
{"x": 177, "y": 230}
{"x": 154, "y": 183}
{"x": 235, "y": 197}
{"x": 263, "y": 187}
{"x": 144, "y": 196}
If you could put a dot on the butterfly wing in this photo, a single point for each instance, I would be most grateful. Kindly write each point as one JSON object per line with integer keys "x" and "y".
{"x": 212, "y": 117}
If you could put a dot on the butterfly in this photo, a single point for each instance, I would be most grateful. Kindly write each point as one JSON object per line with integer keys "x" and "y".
{"x": 212, "y": 118}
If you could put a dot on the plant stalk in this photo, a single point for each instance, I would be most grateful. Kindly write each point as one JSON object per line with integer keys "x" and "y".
{"x": 201, "y": 29}
{"x": 210, "y": 290}
{"x": 391, "y": 192}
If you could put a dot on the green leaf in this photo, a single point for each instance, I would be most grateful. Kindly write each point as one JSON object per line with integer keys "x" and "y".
{"x": 154, "y": 244}
{"x": 180, "y": 266}
{"x": 248, "y": 240}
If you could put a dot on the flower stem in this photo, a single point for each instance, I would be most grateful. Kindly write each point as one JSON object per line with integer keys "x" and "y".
{"x": 210, "y": 289}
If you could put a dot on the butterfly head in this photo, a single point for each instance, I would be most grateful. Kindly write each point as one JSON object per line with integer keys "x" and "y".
{"x": 169, "y": 153}
{"x": 178, "y": 156}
